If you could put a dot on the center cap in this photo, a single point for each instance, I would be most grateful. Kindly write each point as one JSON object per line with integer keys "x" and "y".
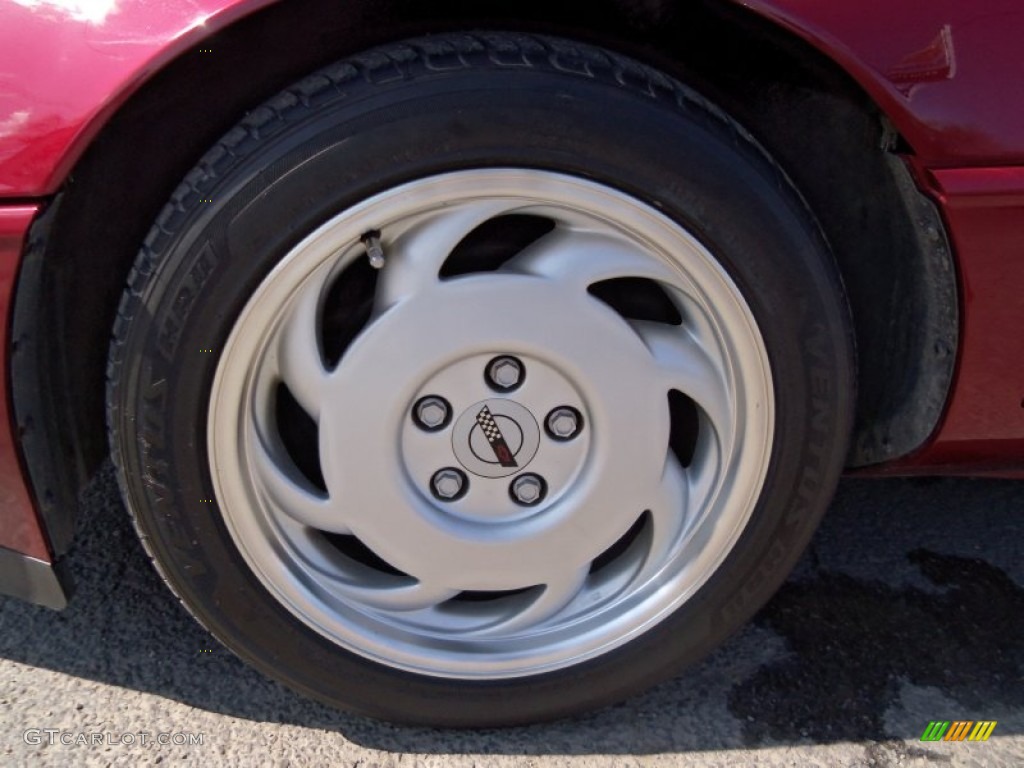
{"x": 496, "y": 438}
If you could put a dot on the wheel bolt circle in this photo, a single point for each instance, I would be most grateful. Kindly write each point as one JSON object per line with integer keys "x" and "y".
{"x": 528, "y": 489}
{"x": 564, "y": 423}
{"x": 504, "y": 373}
{"x": 449, "y": 484}
{"x": 432, "y": 413}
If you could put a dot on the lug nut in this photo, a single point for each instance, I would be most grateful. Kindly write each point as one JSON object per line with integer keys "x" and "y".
{"x": 504, "y": 373}
{"x": 449, "y": 484}
{"x": 564, "y": 423}
{"x": 432, "y": 413}
{"x": 528, "y": 490}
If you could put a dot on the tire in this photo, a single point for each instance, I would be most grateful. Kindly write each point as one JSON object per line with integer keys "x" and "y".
{"x": 572, "y": 435}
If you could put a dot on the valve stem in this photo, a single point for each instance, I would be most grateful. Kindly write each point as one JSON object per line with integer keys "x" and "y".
{"x": 374, "y": 251}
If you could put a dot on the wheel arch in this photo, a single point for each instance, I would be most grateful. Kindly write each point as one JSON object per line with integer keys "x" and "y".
{"x": 769, "y": 78}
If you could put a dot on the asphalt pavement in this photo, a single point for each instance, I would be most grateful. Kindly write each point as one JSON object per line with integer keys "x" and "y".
{"x": 907, "y": 608}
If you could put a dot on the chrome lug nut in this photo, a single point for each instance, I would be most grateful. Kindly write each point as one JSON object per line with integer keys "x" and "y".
{"x": 564, "y": 423}
{"x": 449, "y": 484}
{"x": 432, "y": 413}
{"x": 528, "y": 489}
{"x": 504, "y": 373}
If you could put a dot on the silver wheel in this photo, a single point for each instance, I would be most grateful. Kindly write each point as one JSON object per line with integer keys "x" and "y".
{"x": 498, "y": 440}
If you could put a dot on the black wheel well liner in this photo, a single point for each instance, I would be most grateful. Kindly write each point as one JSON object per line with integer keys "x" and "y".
{"x": 819, "y": 125}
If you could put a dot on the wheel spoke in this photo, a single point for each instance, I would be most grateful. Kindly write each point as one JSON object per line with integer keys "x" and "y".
{"x": 669, "y": 516}
{"x": 556, "y": 596}
{"x": 300, "y": 361}
{"x": 414, "y": 258}
{"x": 683, "y": 364}
{"x": 703, "y": 472}
{"x": 289, "y": 491}
{"x": 583, "y": 258}
{"x": 411, "y": 597}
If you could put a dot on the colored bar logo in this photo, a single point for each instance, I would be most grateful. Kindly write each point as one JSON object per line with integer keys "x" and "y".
{"x": 958, "y": 730}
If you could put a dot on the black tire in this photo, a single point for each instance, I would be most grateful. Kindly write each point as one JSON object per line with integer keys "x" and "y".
{"x": 408, "y": 111}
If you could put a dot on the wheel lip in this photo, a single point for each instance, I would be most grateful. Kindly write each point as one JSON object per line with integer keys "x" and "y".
{"x": 321, "y": 247}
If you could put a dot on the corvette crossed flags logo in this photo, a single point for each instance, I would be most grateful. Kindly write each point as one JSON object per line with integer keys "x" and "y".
{"x": 493, "y": 434}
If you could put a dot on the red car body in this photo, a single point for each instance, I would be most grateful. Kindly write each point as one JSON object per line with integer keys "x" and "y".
{"x": 944, "y": 73}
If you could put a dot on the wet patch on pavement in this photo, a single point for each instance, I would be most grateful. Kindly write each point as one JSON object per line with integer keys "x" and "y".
{"x": 854, "y": 643}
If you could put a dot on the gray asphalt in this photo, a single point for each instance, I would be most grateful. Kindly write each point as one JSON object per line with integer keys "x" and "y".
{"x": 908, "y": 607}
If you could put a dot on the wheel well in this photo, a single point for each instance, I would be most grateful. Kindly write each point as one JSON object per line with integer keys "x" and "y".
{"x": 817, "y": 123}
